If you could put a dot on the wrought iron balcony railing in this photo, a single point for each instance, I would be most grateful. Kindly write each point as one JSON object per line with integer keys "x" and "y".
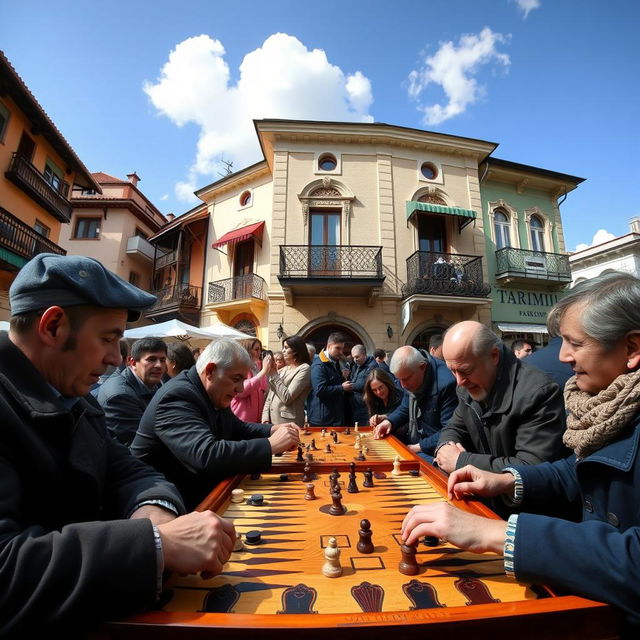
{"x": 538, "y": 265}
{"x": 22, "y": 240}
{"x": 24, "y": 175}
{"x": 179, "y": 295}
{"x": 327, "y": 261}
{"x": 445, "y": 274}
{"x": 237, "y": 288}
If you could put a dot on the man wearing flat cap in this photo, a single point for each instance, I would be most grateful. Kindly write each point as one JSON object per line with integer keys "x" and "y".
{"x": 86, "y": 530}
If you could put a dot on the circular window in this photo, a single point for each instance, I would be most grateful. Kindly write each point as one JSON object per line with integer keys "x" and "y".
{"x": 245, "y": 198}
{"x": 429, "y": 170}
{"x": 327, "y": 162}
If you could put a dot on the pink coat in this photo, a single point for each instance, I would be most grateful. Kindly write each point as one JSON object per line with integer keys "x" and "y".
{"x": 248, "y": 405}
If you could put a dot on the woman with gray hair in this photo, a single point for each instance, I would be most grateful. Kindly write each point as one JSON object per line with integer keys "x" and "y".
{"x": 597, "y": 557}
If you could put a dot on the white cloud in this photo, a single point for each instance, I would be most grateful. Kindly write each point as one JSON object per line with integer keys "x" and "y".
{"x": 280, "y": 79}
{"x": 600, "y": 236}
{"x": 165, "y": 197}
{"x": 526, "y": 6}
{"x": 453, "y": 69}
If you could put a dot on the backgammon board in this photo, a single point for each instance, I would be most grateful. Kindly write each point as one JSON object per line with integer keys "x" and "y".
{"x": 277, "y": 587}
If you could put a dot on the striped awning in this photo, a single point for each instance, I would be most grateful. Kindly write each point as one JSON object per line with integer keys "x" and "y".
{"x": 241, "y": 234}
{"x": 465, "y": 216}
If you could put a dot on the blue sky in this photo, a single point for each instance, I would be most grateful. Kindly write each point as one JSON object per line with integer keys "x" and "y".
{"x": 169, "y": 89}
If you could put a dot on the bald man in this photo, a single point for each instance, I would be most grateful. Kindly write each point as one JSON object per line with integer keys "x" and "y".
{"x": 508, "y": 412}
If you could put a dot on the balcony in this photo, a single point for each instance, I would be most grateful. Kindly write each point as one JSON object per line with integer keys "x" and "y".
{"x": 445, "y": 274}
{"x": 138, "y": 246}
{"x": 25, "y": 176}
{"x": 521, "y": 267}
{"x": 181, "y": 302}
{"x": 19, "y": 242}
{"x": 236, "y": 289}
{"x": 330, "y": 271}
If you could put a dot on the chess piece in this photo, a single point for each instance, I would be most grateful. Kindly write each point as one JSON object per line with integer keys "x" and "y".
{"x": 352, "y": 467}
{"x": 238, "y": 544}
{"x": 253, "y": 537}
{"x": 357, "y": 444}
{"x": 396, "y": 469}
{"x": 237, "y": 495}
{"x": 360, "y": 457}
{"x": 408, "y": 564}
{"x": 307, "y": 477}
{"x": 353, "y": 486}
{"x": 323, "y": 433}
{"x": 347, "y": 431}
{"x": 332, "y": 567}
{"x": 313, "y": 445}
{"x": 309, "y": 457}
{"x": 335, "y": 437}
{"x": 310, "y": 494}
{"x": 328, "y": 448}
{"x": 336, "y": 508}
{"x": 333, "y": 479}
{"x": 299, "y": 458}
{"x": 364, "y": 543}
{"x": 356, "y": 427}
{"x": 368, "y": 478}
{"x": 365, "y": 450}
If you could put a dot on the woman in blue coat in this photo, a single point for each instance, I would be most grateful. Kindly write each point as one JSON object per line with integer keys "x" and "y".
{"x": 593, "y": 548}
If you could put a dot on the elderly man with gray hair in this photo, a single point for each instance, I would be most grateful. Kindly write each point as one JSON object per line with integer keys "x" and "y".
{"x": 427, "y": 405}
{"x": 190, "y": 434}
{"x": 509, "y": 413}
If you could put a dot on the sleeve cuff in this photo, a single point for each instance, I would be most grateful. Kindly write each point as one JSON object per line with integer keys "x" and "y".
{"x": 510, "y": 545}
{"x": 165, "y": 504}
{"x": 157, "y": 539}
{"x": 518, "y": 486}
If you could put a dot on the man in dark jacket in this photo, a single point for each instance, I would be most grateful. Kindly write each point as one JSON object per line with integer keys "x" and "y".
{"x": 329, "y": 390}
{"x": 361, "y": 368}
{"x": 86, "y": 530}
{"x": 548, "y": 360}
{"x": 508, "y": 412}
{"x": 427, "y": 405}
{"x": 124, "y": 397}
{"x": 189, "y": 433}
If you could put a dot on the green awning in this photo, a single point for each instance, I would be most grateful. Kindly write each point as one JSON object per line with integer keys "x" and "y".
{"x": 12, "y": 258}
{"x": 465, "y": 216}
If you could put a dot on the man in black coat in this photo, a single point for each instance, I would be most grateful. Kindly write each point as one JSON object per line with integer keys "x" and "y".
{"x": 548, "y": 360}
{"x": 86, "y": 530}
{"x": 360, "y": 370}
{"x": 189, "y": 433}
{"x": 124, "y": 397}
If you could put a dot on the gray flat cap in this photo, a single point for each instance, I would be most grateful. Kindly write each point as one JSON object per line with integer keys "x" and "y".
{"x": 53, "y": 280}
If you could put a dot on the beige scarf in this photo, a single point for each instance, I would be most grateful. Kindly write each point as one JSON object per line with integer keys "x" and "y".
{"x": 594, "y": 421}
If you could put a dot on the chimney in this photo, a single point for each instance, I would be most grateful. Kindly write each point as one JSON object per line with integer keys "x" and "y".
{"x": 634, "y": 224}
{"x": 170, "y": 216}
{"x": 134, "y": 178}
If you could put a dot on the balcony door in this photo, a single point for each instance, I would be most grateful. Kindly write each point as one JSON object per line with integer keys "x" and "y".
{"x": 432, "y": 236}
{"x": 242, "y": 270}
{"x": 324, "y": 251}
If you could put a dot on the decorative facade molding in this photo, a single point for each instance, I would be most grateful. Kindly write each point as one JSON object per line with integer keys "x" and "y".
{"x": 546, "y": 226}
{"x": 328, "y": 193}
{"x": 513, "y": 222}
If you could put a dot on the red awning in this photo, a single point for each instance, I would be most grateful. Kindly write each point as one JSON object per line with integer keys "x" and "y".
{"x": 239, "y": 235}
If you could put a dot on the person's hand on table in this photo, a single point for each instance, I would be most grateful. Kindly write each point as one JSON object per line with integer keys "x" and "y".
{"x": 415, "y": 448}
{"x": 200, "y": 541}
{"x": 447, "y": 456}
{"x": 376, "y": 419}
{"x": 450, "y": 524}
{"x": 382, "y": 429}
{"x": 470, "y": 481}
{"x": 284, "y": 437}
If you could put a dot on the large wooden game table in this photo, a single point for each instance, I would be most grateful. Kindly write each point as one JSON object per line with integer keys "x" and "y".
{"x": 277, "y": 589}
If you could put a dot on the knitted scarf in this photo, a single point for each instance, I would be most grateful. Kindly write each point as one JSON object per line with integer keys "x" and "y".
{"x": 595, "y": 420}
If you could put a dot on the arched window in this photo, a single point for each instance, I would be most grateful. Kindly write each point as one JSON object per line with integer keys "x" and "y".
{"x": 537, "y": 233}
{"x": 501, "y": 227}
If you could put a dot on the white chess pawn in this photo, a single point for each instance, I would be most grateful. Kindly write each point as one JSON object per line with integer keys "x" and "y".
{"x": 396, "y": 466}
{"x": 332, "y": 567}
{"x": 356, "y": 427}
{"x": 357, "y": 444}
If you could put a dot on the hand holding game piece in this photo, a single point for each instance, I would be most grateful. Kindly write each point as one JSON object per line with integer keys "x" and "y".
{"x": 332, "y": 567}
{"x": 462, "y": 529}
{"x": 200, "y": 541}
{"x": 365, "y": 545}
{"x": 475, "y": 482}
{"x": 239, "y": 545}
{"x": 382, "y": 429}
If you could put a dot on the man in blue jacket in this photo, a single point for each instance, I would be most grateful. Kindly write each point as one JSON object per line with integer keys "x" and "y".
{"x": 326, "y": 401}
{"x": 428, "y": 403}
{"x": 360, "y": 370}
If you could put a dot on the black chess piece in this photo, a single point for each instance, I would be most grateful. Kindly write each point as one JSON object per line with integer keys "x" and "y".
{"x": 328, "y": 448}
{"x": 353, "y": 486}
{"x": 307, "y": 477}
{"x": 335, "y": 437}
{"x": 309, "y": 457}
{"x": 364, "y": 543}
{"x": 300, "y": 457}
{"x": 313, "y": 445}
{"x": 368, "y": 478}
{"x": 352, "y": 467}
{"x": 336, "y": 508}
{"x": 347, "y": 431}
{"x": 408, "y": 564}
{"x": 333, "y": 479}
{"x": 360, "y": 457}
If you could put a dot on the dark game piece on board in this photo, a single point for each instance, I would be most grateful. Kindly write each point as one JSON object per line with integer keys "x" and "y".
{"x": 255, "y": 476}
{"x": 347, "y": 431}
{"x": 431, "y": 541}
{"x": 352, "y": 467}
{"x": 256, "y": 500}
{"x": 299, "y": 458}
{"x": 408, "y": 564}
{"x": 414, "y": 472}
{"x": 328, "y": 448}
{"x": 309, "y": 457}
{"x": 360, "y": 457}
{"x": 336, "y": 508}
{"x": 313, "y": 445}
{"x": 335, "y": 437}
{"x": 353, "y": 485}
{"x": 364, "y": 543}
{"x": 284, "y": 477}
{"x": 368, "y": 478}
{"x": 310, "y": 494}
{"x": 252, "y": 537}
{"x": 307, "y": 477}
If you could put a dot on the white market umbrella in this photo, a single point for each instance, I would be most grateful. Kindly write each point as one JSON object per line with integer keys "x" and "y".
{"x": 177, "y": 330}
{"x": 222, "y": 330}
